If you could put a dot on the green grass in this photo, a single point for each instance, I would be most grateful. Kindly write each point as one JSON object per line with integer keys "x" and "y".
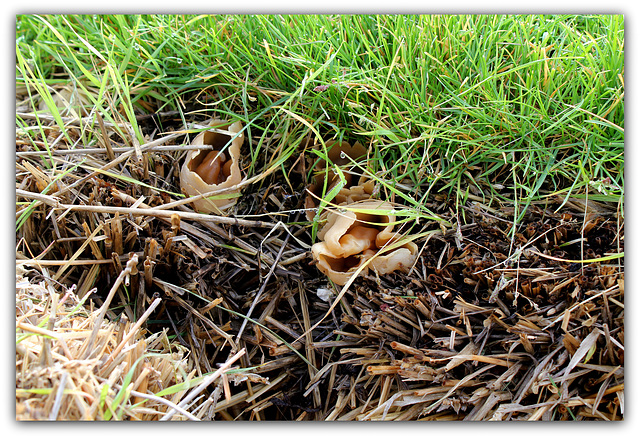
{"x": 519, "y": 107}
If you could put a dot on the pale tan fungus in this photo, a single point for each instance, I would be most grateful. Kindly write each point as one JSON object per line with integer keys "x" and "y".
{"x": 339, "y": 269}
{"x": 355, "y": 193}
{"x": 352, "y": 191}
{"x": 204, "y": 171}
{"x": 337, "y": 149}
{"x": 350, "y": 238}
{"x": 399, "y": 259}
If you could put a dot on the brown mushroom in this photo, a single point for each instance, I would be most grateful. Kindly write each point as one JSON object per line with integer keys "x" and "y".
{"x": 205, "y": 171}
{"x": 350, "y": 238}
{"x": 352, "y": 191}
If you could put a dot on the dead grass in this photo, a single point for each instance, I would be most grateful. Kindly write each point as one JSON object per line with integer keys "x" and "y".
{"x": 131, "y": 306}
{"x": 72, "y": 365}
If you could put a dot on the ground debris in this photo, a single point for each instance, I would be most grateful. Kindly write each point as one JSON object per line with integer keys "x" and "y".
{"x": 489, "y": 324}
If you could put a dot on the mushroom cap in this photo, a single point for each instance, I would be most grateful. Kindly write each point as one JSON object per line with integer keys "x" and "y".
{"x": 339, "y": 269}
{"x": 360, "y": 214}
{"x": 360, "y": 192}
{"x": 352, "y": 191}
{"x": 347, "y": 195}
{"x": 358, "y": 239}
{"x": 193, "y": 185}
{"x": 399, "y": 259}
{"x": 350, "y": 238}
{"x": 336, "y": 149}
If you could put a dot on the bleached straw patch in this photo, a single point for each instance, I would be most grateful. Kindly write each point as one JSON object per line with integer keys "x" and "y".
{"x": 54, "y": 379}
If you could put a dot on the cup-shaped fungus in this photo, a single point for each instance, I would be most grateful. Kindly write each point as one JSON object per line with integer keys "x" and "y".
{"x": 354, "y": 190}
{"x": 204, "y": 171}
{"x": 350, "y": 238}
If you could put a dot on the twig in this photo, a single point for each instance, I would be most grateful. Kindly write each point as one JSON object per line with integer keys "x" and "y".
{"x": 46, "y": 199}
{"x": 105, "y": 137}
{"x": 167, "y": 213}
{"x": 45, "y": 262}
{"x": 120, "y": 150}
{"x": 65, "y": 120}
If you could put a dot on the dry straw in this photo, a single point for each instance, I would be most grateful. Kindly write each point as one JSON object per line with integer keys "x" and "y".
{"x": 71, "y": 364}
